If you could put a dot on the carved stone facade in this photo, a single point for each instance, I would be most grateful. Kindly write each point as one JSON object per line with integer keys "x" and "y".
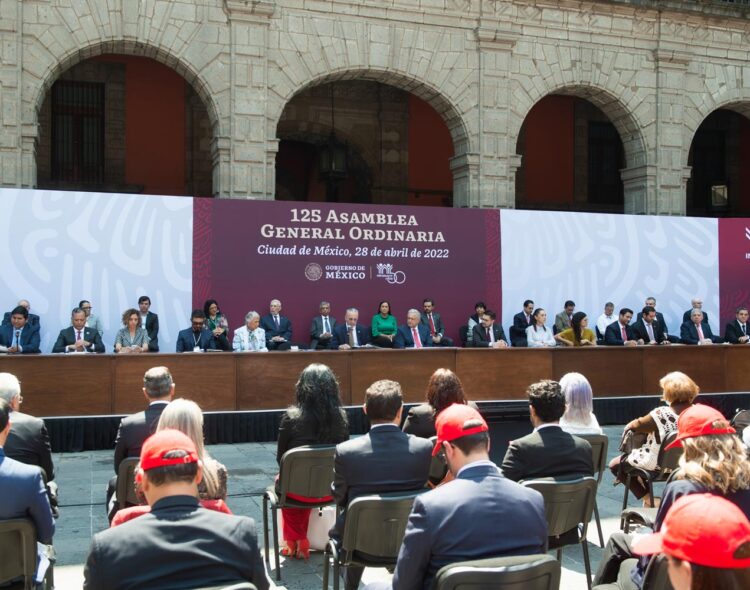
{"x": 482, "y": 64}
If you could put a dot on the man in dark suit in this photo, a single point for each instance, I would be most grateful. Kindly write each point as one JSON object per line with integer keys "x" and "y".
{"x": 521, "y": 321}
{"x": 649, "y": 330}
{"x": 78, "y": 338}
{"x": 321, "y": 329}
{"x": 198, "y": 338}
{"x": 434, "y": 323}
{"x": 562, "y": 319}
{"x": 738, "y": 332}
{"x": 21, "y": 486}
{"x": 384, "y": 460}
{"x": 349, "y": 334}
{"x": 150, "y": 322}
{"x": 480, "y": 514}
{"x": 413, "y": 334}
{"x": 548, "y": 451}
{"x": 177, "y": 544}
{"x": 19, "y": 337}
{"x": 697, "y": 331}
{"x": 278, "y": 328}
{"x": 488, "y": 334}
{"x": 696, "y": 303}
{"x": 33, "y": 319}
{"x": 621, "y": 332}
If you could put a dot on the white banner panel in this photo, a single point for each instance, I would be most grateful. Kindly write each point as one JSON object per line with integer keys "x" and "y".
{"x": 592, "y": 258}
{"x": 57, "y": 248}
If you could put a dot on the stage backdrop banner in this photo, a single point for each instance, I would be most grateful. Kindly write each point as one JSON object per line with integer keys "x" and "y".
{"x": 734, "y": 266}
{"x": 247, "y": 253}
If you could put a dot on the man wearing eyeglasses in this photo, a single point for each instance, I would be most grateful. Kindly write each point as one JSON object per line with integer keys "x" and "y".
{"x": 197, "y": 338}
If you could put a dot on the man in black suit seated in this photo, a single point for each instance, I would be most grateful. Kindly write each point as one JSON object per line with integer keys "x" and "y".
{"x": 78, "y": 338}
{"x": 33, "y": 319}
{"x": 521, "y": 321}
{"x": 697, "y": 331}
{"x": 150, "y": 322}
{"x": 198, "y": 338}
{"x": 384, "y": 460}
{"x": 696, "y": 303}
{"x": 649, "y": 330}
{"x": 178, "y": 544}
{"x": 548, "y": 451}
{"x": 434, "y": 323}
{"x": 278, "y": 328}
{"x": 19, "y": 337}
{"x": 488, "y": 334}
{"x": 738, "y": 332}
{"x": 621, "y": 332}
{"x": 349, "y": 334}
{"x": 413, "y": 334}
{"x": 321, "y": 329}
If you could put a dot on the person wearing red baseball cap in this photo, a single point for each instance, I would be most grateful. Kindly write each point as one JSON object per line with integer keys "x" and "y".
{"x": 179, "y": 544}
{"x": 707, "y": 542}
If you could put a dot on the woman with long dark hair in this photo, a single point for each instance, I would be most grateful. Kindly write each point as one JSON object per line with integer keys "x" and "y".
{"x": 578, "y": 334}
{"x": 443, "y": 389}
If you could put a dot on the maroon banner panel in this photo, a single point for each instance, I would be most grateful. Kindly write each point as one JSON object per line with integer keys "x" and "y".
{"x": 734, "y": 267}
{"x": 248, "y": 252}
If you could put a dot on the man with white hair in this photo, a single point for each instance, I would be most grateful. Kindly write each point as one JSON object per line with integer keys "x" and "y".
{"x": 250, "y": 337}
{"x": 697, "y": 331}
{"x": 413, "y": 334}
{"x": 278, "y": 328}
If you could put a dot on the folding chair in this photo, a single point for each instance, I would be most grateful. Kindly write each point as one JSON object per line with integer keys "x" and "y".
{"x": 125, "y": 495}
{"x": 527, "y": 572}
{"x": 19, "y": 553}
{"x": 599, "y": 447}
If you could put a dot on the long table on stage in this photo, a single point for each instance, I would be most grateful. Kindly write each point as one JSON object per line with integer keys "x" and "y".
{"x": 106, "y": 384}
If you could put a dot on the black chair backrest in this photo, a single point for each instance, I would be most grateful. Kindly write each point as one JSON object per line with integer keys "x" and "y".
{"x": 740, "y": 420}
{"x": 567, "y": 503}
{"x": 656, "y": 576}
{"x": 375, "y": 524}
{"x": 463, "y": 333}
{"x": 438, "y": 467}
{"x": 668, "y": 460}
{"x": 527, "y": 572}
{"x": 306, "y": 471}
{"x": 126, "y": 482}
{"x": 599, "y": 448}
{"x": 17, "y": 550}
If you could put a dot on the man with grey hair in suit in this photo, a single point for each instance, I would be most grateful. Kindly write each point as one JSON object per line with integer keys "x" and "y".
{"x": 321, "y": 329}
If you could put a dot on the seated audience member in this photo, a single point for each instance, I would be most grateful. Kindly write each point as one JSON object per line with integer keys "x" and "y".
{"x": 383, "y": 327}
{"x": 198, "y": 338}
{"x": 714, "y": 461}
{"x": 178, "y": 544}
{"x": 697, "y": 331}
{"x": 648, "y": 329}
{"x": 21, "y": 487}
{"x": 548, "y": 451}
{"x": 475, "y": 320}
{"x": 278, "y": 328}
{"x": 434, "y": 323}
{"x": 707, "y": 543}
{"x": 537, "y": 335}
{"x": 321, "y": 330}
{"x": 349, "y": 334}
{"x": 216, "y": 322}
{"x": 19, "y": 336}
{"x": 621, "y": 333}
{"x": 384, "y": 460}
{"x": 132, "y": 337}
{"x": 250, "y": 337}
{"x": 679, "y": 391}
{"x": 32, "y": 321}
{"x": 565, "y": 317}
{"x": 488, "y": 334}
{"x": 578, "y": 334}
{"x": 696, "y": 303}
{"x": 149, "y": 322}
{"x": 604, "y": 320}
{"x": 78, "y": 337}
{"x": 738, "y": 332}
{"x": 92, "y": 321}
{"x": 579, "y": 405}
{"x": 413, "y": 334}
{"x": 317, "y": 417}
{"x": 443, "y": 390}
{"x": 479, "y": 514}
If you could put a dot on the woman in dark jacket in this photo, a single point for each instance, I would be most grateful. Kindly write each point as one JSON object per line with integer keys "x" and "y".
{"x": 443, "y": 390}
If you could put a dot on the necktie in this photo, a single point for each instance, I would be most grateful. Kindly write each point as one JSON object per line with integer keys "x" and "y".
{"x": 700, "y": 333}
{"x": 528, "y": 319}
{"x": 415, "y": 336}
{"x": 624, "y": 333}
{"x": 743, "y": 330}
{"x": 432, "y": 326}
{"x": 276, "y": 321}
{"x": 325, "y": 324}
{"x": 351, "y": 336}
{"x": 18, "y": 338}
{"x": 78, "y": 335}
{"x": 650, "y": 331}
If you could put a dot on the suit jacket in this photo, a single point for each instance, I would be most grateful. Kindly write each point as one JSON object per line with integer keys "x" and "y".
{"x": 733, "y": 333}
{"x": 285, "y": 327}
{"x": 613, "y": 335}
{"x": 405, "y": 339}
{"x": 640, "y": 332}
{"x": 316, "y": 329}
{"x": 29, "y": 338}
{"x": 33, "y": 320}
{"x": 24, "y": 496}
{"x": 548, "y": 452}
{"x": 383, "y": 460}
{"x": 686, "y": 316}
{"x": 479, "y": 337}
{"x": 134, "y": 430}
{"x": 689, "y": 333}
{"x": 478, "y": 515}
{"x": 28, "y": 442}
{"x": 518, "y": 330}
{"x": 186, "y": 341}
{"x": 562, "y": 322}
{"x": 67, "y": 337}
{"x": 341, "y": 336}
{"x": 436, "y": 319}
{"x": 179, "y": 544}
{"x": 152, "y": 327}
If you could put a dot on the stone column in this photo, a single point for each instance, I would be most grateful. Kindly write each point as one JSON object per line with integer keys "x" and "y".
{"x": 12, "y": 160}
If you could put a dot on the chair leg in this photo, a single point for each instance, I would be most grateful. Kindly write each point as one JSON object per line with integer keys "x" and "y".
{"x": 651, "y": 491}
{"x": 625, "y": 500}
{"x": 586, "y": 563}
{"x": 598, "y": 525}
{"x": 326, "y": 564}
{"x": 265, "y": 528}
{"x": 275, "y": 524}
{"x": 336, "y": 573}
{"x": 559, "y": 554}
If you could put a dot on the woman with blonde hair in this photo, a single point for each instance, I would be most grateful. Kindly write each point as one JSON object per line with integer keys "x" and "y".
{"x": 579, "y": 405}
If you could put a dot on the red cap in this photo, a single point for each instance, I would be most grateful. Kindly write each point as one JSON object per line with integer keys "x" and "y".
{"x": 704, "y": 529}
{"x": 455, "y": 421}
{"x": 161, "y": 443}
{"x": 698, "y": 420}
